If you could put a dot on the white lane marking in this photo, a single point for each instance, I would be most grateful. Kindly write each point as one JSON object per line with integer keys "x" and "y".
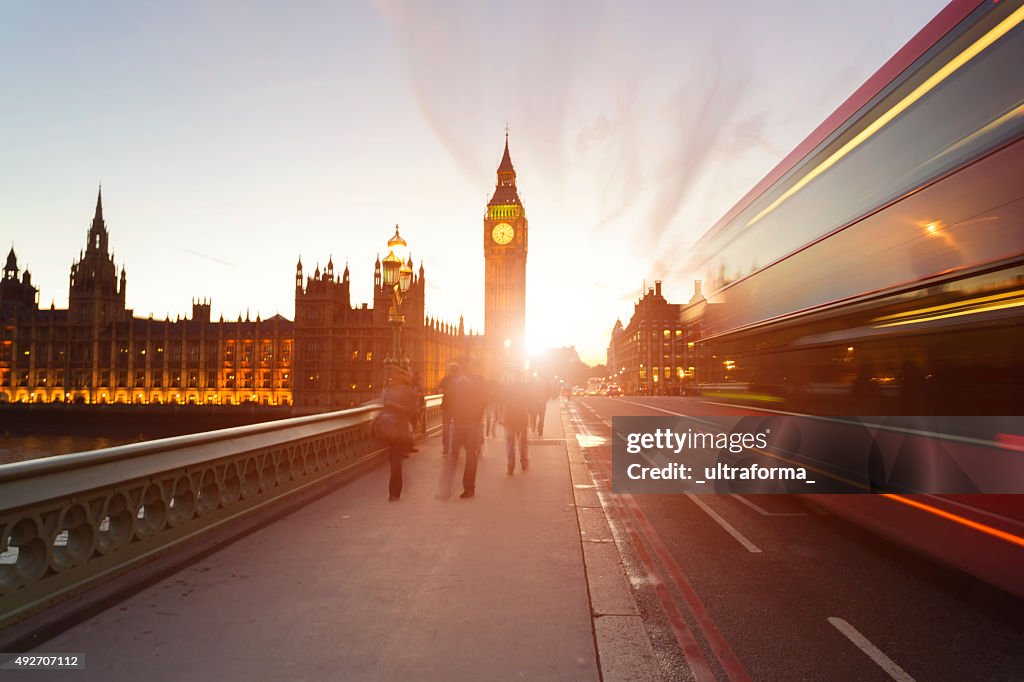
{"x": 750, "y": 546}
{"x": 739, "y": 537}
{"x": 872, "y": 651}
{"x": 676, "y": 414}
{"x": 762, "y": 511}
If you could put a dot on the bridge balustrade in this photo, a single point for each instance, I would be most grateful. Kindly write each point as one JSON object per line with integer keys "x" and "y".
{"x": 70, "y": 523}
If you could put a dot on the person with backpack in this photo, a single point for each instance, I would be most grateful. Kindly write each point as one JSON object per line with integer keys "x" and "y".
{"x": 394, "y": 424}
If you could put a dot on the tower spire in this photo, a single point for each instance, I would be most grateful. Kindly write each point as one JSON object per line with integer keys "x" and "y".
{"x": 98, "y": 229}
{"x": 506, "y": 161}
{"x": 505, "y": 193}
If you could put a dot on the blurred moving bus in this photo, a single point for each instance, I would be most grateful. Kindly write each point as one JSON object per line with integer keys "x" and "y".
{"x": 879, "y": 270}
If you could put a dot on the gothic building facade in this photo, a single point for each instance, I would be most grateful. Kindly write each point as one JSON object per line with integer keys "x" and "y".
{"x": 340, "y": 349}
{"x": 332, "y": 356}
{"x": 97, "y": 351}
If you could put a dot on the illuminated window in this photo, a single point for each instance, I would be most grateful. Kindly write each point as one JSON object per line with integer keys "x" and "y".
{"x": 369, "y": 356}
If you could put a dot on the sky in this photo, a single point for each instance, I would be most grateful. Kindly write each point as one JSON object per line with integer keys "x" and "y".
{"x": 232, "y": 137}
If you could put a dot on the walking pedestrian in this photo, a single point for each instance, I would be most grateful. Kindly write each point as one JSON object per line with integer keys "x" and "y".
{"x": 538, "y": 397}
{"x": 451, "y": 372}
{"x": 394, "y": 425}
{"x": 515, "y": 415}
{"x": 467, "y": 399}
{"x": 491, "y": 412}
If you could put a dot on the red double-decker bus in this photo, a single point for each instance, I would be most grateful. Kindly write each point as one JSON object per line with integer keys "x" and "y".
{"x": 879, "y": 270}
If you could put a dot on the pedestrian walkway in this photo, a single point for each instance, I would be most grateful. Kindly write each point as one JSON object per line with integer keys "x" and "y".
{"x": 353, "y": 587}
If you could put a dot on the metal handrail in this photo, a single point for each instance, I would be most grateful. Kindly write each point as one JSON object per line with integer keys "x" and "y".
{"x": 45, "y": 465}
{"x": 71, "y": 523}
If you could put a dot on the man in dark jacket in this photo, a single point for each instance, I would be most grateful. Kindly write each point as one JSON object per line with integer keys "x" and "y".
{"x": 466, "y": 398}
{"x": 400, "y": 405}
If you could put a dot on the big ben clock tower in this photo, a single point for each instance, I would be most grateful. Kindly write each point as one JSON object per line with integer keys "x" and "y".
{"x": 505, "y": 241}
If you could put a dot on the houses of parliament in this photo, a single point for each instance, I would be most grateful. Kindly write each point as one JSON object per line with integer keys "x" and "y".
{"x": 331, "y": 356}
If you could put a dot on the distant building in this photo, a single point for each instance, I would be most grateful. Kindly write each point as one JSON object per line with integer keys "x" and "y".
{"x": 97, "y": 351}
{"x": 16, "y": 294}
{"x": 650, "y": 355}
{"x": 506, "y": 238}
{"x": 332, "y": 356}
{"x": 340, "y": 348}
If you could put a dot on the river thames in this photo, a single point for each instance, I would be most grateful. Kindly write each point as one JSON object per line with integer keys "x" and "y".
{"x": 17, "y": 449}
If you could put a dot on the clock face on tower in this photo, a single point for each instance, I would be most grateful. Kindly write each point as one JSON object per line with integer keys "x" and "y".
{"x": 502, "y": 233}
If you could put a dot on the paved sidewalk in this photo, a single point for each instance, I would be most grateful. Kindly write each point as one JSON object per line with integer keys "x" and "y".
{"x": 353, "y": 587}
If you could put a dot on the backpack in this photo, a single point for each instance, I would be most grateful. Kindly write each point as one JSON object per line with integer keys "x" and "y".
{"x": 386, "y": 427}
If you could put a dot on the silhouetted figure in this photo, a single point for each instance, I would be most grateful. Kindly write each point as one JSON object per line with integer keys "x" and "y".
{"x": 451, "y": 371}
{"x": 467, "y": 399}
{"x": 491, "y": 411}
{"x": 538, "y": 398}
{"x": 515, "y": 415}
{"x": 394, "y": 424}
{"x": 420, "y": 418}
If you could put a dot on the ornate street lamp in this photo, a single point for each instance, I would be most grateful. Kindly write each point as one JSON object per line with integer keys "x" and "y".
{"x": 398, "y": 276}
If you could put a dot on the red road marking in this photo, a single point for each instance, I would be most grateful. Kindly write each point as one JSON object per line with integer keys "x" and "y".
{"x": 730, "y": 663}
{"x": 684, "y": 636}
{"x": 705, "y": 623}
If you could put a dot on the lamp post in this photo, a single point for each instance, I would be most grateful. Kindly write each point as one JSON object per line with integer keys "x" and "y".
{"x": 397, "y": 276}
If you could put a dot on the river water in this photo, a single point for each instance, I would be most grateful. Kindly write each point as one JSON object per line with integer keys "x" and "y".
{"x": 19, "y": 448}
